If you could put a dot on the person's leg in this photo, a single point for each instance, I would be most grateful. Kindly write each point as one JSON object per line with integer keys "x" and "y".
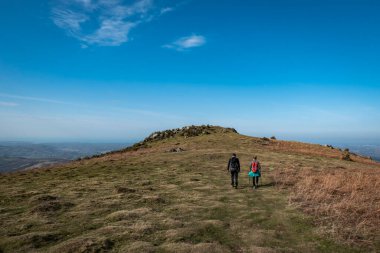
{"x": 256, "y": 181}
{"x": 236, "y": 179}
{"x": 233, "y": 179}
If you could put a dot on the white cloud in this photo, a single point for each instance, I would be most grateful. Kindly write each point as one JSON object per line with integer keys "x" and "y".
{"x": 69, "y": 20}
{"x": 8, "y": 104}
{"x": 187, "y": 42}
{"x": 166, "y": 10}
{"x": 110, "y": 33}
{"x": 114, "y": 20}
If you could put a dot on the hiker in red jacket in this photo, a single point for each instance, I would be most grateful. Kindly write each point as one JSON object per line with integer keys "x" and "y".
{"x": 255, "y": 172}
{"x": 234, "y": 167}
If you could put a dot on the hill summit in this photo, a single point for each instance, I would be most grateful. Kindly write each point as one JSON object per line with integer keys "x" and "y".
{"x": 188, "y": 131}
{"x": 184, "y": 132}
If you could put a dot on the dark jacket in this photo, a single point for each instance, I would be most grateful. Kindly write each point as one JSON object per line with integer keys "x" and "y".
{"x": 237, "y": 162}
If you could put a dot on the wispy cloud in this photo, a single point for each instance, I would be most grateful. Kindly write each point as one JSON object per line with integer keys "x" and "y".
{"x": 103, "y": 22}
{"x": 8, "y": 104}
{"x": 38, "y": 99}
{"x": 166, "y": 10}
{"x": 77, "y": 105}
{"x": 187, "y": 42}
{"x": 69, "y": 20}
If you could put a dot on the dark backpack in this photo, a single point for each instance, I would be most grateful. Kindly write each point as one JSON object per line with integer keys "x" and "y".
{"x": 234, "y": 164}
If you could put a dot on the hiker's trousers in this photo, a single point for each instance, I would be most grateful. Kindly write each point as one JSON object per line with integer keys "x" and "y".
{"x": 234, "y": 178}
{"x": 255, "y": 181}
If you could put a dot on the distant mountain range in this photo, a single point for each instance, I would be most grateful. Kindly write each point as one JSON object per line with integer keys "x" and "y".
{"x": 25, "y": 155}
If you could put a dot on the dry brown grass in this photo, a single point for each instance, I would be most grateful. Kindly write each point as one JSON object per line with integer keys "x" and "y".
{"x": 344, "y": 202}
{"x": 313, "y": 149}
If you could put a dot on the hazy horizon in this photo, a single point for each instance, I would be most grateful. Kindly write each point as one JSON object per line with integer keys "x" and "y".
{"x": 333, "y": 139}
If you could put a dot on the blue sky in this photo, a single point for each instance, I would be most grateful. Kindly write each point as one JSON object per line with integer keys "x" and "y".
{"x": 96, "y": 70}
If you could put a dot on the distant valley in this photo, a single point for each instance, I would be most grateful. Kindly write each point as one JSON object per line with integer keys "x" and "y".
{"x": 372, "y": 150}
{"x": 24, "y": 155}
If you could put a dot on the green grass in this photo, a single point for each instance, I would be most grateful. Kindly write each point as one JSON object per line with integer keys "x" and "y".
{"x": 159, "y": 202}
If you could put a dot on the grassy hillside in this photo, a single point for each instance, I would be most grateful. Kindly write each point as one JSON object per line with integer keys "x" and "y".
{"x": 150, "y": 199}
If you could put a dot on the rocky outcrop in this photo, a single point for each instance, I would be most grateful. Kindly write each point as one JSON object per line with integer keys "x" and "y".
{"x": 188, "y": 131}
{"x": 176, "y": 150}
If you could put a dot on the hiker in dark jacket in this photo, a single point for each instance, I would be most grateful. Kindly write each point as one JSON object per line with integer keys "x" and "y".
{"x": 234, "y": 167}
